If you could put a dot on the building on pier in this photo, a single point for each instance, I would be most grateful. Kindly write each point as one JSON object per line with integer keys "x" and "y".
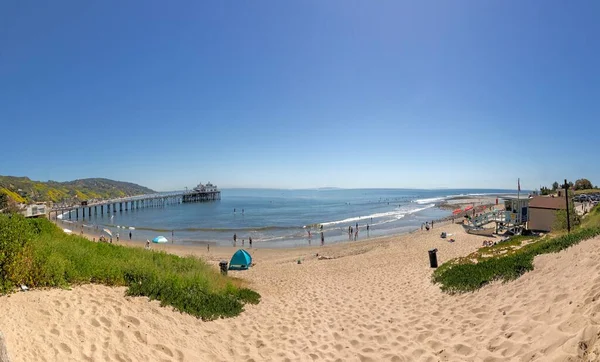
{"x": 201, "y": 193}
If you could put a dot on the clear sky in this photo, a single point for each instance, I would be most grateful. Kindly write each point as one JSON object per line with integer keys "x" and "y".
{"x": 295, "y": 94}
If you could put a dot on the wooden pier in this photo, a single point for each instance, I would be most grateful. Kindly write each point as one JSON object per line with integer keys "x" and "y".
{"x": 200, "y": 193}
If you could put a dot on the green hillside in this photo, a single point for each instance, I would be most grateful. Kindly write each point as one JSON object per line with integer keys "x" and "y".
{"x": 70, "y": 191}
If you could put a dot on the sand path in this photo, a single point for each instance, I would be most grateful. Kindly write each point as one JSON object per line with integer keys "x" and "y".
{"x": 373, "y": 302}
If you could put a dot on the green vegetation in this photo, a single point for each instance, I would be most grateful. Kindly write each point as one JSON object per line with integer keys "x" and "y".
{"x": 36, "y": 253}
{"x": 588, "y": 191}
{"x": 592, "y": 218}
{"x": 467, "y": 274}
{"x": 581, "y": 186}
{"x": 22, "y": 189}
{"x": 560, "y": 221}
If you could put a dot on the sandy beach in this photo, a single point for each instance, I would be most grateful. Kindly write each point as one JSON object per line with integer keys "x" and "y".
{"x": 372, "y": 301}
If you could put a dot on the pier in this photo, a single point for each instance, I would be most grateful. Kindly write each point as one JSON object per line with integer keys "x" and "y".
{"x": 201, "y": 193}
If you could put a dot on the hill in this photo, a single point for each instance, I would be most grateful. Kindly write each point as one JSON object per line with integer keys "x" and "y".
{"x": 22, "y": 189}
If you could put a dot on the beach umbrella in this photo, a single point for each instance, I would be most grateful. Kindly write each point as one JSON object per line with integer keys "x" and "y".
{"x": 160, "y": 239}
{"x": 457, "y": 211}
{"x": 468, "y": 207}
{"x": 108, "y": 232}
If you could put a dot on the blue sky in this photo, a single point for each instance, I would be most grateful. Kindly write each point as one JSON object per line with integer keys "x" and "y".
{"x": 296, "y": 94}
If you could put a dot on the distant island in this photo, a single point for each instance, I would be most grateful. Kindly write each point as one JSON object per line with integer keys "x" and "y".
{"x": 25, "y": 190}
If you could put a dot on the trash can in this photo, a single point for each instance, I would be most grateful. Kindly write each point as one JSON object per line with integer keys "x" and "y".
{"x": 433, "y": 258}
{"x": 223, "y": 265}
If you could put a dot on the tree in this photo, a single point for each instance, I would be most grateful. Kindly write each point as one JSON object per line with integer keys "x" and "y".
{"x": 570, "y": 184}
{"x": 583, "y": 184}
{"x": 8, "y": 205}
{"x": 555, "y": 186}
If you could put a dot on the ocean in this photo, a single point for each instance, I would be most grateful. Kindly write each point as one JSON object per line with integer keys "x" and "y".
{"x": 282, "y": 218}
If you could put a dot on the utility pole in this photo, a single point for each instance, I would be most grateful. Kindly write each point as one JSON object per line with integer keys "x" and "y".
{"x": 566, "y": 187}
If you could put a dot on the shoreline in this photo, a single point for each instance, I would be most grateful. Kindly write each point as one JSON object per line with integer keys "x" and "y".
{"x": 90, "y": 232}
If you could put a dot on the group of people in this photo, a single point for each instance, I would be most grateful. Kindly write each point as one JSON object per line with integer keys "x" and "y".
{"x": 426, "y": 225}
{"x": 489, "y": 243}
{"x": 243, "y": 241}
{"x": 322, "y": 235}
{"x": 354, "y": 231}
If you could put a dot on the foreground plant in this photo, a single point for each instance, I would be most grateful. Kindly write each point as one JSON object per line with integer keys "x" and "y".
{"x": 38, "y": 254}
{"x": 467, "y": 274}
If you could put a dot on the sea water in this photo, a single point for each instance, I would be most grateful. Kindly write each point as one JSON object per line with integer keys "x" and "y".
{"x": 283, "y": 218}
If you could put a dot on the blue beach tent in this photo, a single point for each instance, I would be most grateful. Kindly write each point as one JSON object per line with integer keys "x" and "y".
{"x": 241, "y": 260}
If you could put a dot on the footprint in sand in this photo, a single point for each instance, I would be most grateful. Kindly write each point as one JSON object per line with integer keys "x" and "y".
{"x": 121, "y": 358}
{"x": 65, "y": 348}
{"x": 139, "y": 337}
{"x": 120, "y": 335}
{"x": 55, "y": 332}
{"x": 105, "y": 321}
{"x": 163, "y": 349}
{"x": 95, "y": 323}
{"x": 132, "y": 320}
{"x": 462, "y": 349}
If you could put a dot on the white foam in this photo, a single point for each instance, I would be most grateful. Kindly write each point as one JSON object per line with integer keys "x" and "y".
{"x": 430, "y": 200}
{"x": 396, "y": 215}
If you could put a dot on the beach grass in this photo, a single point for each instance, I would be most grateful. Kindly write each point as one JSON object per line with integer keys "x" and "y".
{"x": 473, "y": 272}
{"x": 592, "y": 218}
{"x": 36, "y": 253}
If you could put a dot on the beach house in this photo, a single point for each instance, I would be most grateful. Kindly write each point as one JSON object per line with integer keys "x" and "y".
{"x": 34, "y": 210}
{"x": 542, "y": 212}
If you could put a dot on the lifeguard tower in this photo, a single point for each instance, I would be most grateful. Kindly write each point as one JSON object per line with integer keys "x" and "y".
{"x": 512, "y": 219}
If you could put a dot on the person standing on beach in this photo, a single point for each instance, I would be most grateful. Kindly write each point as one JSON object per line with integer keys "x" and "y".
{"x": 367, "y": 228}
{"x": 117, "y": 237}
{"x": 234, "y": 239}
{"x": 322, "y": 238}
{"x": 250, "y": 241}
{"x": 130, "y": 236}
{"x": 309, "y": 234}
{"x": 432, "y": 224}
{"x": 172, "y": 236}
{"x": 355, "y": 234}
{"x": 242, "y": 242}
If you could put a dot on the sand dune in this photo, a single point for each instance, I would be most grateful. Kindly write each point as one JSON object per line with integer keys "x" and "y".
{"x": 373, "y": 301}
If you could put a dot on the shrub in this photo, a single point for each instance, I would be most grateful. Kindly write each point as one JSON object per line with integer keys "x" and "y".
{"x": 461, "y": 276}
{"x": 38, "y": 254}
{"x": 560, "y": 220}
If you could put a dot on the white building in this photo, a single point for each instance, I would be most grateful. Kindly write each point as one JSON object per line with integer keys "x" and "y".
{"x": 35, "y": 210}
